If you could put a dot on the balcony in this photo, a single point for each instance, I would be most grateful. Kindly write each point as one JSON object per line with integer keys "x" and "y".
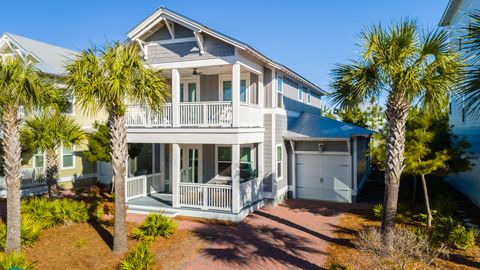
{"x": 211, "y": 114}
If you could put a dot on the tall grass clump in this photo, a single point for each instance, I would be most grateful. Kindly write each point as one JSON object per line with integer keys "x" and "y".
{"x": 30, "y": 230}
{"x": 58, "y": 211}
{"x": 153, "y": 226}
{"x": 14, "y": 261}
{"x": 139, "y": 258}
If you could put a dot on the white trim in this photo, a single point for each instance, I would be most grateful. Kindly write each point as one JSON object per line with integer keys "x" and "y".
{"x": 185, "y": 81}
{"x": 227, "y": 60}
{"x": 354, "y": 161}
{"x": 281, "y": 161}
{"x": 322, "y": 153}
{"x": 185, "y": 148}
{"x": 171, "y": 27}
{"x": 228, "y": 77}
{"x": 199, "y": 39}
{"x": 168, "y": 41}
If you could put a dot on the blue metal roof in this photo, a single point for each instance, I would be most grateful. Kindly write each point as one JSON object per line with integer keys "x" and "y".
{"x": 310, "y": 126}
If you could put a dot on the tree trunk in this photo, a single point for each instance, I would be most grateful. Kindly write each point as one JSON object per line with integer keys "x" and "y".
{"x": 396, "y": 112}
{"x": 51, "y": 173}
{"x": 427, "y": 203}
{"x": 12, "y": 165}
{"x": 118, "y": 137}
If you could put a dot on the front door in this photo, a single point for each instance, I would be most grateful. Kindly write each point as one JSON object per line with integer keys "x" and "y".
{"x": 190, "y": 165}
{"x": 189, "y": 91}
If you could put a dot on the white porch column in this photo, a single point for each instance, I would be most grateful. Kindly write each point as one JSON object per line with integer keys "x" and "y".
{"x": 236, "y": 178}
{"x": 175, "y": 97}
{"x": 175, "y": 174}
{"x": 236, "y": 94}
{"x": 261, "y": 163}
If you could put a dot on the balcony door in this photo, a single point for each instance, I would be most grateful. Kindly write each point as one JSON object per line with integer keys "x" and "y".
{"x": 191, "y": 163}
{"x": 189, "y": 91}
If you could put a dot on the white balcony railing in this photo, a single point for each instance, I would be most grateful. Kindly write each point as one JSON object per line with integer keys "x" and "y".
{"x": 195, "y": 114}
{"x": 205, "y": 196}
{"x": 250, "y": 192}
{"x": 143, "y": 185}
{"x": 30, "y": 177}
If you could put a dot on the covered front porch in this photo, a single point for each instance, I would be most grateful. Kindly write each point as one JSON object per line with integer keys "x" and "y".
{"x": 191, "y": 179}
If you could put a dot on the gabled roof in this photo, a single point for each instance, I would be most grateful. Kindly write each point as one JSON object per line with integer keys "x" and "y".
{"x": 152, "y": 20}
{"x": 48, "y": 58}
{"x": 309, "y": 126}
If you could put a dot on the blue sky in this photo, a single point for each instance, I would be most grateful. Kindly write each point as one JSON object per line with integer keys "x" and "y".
{"x": 309, "y": 36}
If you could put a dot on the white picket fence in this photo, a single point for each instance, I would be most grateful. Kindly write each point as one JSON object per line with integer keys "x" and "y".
{"x": 30, "y": 177}
{"x": 205, "y": 196}
{"x": 143, "y": 185}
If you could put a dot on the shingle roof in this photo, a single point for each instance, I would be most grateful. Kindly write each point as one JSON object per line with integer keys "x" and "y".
{"x": 51, "y": 58}
{"x": 309, "y": 126}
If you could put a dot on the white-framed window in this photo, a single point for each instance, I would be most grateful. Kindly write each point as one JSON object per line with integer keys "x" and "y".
{"x": 300, "y": 93}
{"x": 279, "y": 161}
{"x": 38, "y": 160}
{"x": 68, "y": 157}
{"x": 224, "y": 161}
{"x": 225, "y": 88}
{"x": 309, "y": 96}
{"x": 279, "y": 91}
{"x": 247, "y": 162}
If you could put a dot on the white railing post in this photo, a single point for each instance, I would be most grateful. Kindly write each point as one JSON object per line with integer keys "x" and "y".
{"x": 236, "y": 94}
{"x": 175, "y": 174}
{"x": 205, "y": 197}
{"x": 205, "y": 114}
{"x": 235, "y": 178}
{"x": 175, "y": 97}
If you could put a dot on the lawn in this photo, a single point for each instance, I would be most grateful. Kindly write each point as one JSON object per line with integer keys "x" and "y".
{"x": 87, "y": 246}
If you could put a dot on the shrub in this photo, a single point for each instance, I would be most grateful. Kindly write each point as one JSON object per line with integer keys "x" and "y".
{"x": 406, "y": 249}
{"x": 58, "y": 211}
{"x": 378, "y": 210}
{"x": 30, "y": 230}
{"x": 81, "y": 243}
{"x": 14, "y": 260}
{"x": 452, "y": 232}
{"x": 155, "y": 225}
{"x": 138, "y": 258}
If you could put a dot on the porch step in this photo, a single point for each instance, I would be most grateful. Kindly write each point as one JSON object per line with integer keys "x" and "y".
{"x": 145, "y": 210}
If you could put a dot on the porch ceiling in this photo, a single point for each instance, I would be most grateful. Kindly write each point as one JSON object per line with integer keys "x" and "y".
{"x": 211, "y": 70}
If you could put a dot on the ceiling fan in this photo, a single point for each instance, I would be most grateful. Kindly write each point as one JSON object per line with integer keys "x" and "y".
{"x": 196, "y": 73}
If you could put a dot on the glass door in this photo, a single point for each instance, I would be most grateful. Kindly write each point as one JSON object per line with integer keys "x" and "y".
{"x": 190, "y": 165}
{"x": 189, "y": 92}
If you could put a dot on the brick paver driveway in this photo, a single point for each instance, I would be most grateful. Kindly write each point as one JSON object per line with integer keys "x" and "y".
{"x": 293, "y": 235}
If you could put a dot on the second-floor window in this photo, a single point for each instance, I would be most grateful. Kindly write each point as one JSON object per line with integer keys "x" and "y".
{"x": 38, "y": 160}
{"x": 300, "y": 93}
{"x": 67, "y": 157}
{"x": 279, "y": 91}
{"x": 243, "y": 90}
{"x": 309, "y": 96}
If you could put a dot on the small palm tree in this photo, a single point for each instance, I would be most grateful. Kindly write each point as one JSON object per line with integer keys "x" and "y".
{"x": 471, "y": 51}
{"x": 406, "y": 67}
{"x": 103, "y": 79}
{"x": 47, "y": 132}
{"x": 20, "y": 87}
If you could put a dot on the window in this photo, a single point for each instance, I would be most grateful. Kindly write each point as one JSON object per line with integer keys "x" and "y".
{"x": 192, "y": 92}
{"x": 300, "y": 94}
{"x": 280, "y": 92}
{"x": 38, "y": 160}
{"x": 279, "y": 161}
{"x": 67, "y": 157}
{"x": 224, "y": 161}
{"x": 227, "y": 90}
{"x": 309, "y": 96}
{"x": 246, "y": 166}
{"x": 243, "y": 91}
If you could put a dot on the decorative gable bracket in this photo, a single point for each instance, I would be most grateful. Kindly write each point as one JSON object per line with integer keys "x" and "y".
{"x": 199, "y": 38}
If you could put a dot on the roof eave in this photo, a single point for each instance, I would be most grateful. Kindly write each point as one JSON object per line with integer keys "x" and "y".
{"x": 449, "y": 11}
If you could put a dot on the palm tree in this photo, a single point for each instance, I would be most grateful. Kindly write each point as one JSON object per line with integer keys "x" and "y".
{"x": 407, "y": 68}
{"x": 47, "y": 132}
{"x": 102, "y": 79}
{"x": 20, "y": 87}
{"x": 471, "y": 50}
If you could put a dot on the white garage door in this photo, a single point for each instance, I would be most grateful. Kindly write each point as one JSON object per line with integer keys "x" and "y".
{"x": 323, "y": 177}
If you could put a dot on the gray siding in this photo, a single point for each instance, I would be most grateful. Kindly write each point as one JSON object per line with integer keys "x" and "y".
{"x": 280, "y": 130}
{"x": 267, "y": 148}
{"x": 362, "y": 146}
{"x": 290, "y": 97}
{"x": 163, "y": 34}
{"x": 186, "y": 51}
{"x": 298, "y": 106}
{"x": 330, "y": 146}
{"x": 268, "y": 82}
{"x": 208, "y": 167}
{"x": 209, "y": 88}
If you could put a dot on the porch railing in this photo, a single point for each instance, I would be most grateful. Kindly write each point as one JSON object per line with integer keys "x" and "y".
{"x": 143, "y": 185}
{"x": 206, "y": 114}
{"x": 30, "y": 177}
{"x": 250, "y": 192}
{"x": 143, "y": 116}
{"x": 250, "y": 115}
{"x": 205, "y": 196}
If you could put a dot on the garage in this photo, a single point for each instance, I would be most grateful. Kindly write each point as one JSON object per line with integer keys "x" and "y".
{"x": 323, "y": 177}
{"x": 327, "y": 159}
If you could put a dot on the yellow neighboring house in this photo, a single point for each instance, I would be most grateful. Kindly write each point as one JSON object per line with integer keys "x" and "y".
{"x": 50, "y": 59}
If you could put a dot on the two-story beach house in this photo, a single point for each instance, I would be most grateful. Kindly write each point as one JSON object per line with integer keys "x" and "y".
{"x": 456, "y": 19}
{"x": 239, "y": 131}
{"x": 50, "y": 60}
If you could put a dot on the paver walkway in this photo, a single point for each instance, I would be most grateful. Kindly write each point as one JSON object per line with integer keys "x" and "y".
{"x": 293, "y": 235}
